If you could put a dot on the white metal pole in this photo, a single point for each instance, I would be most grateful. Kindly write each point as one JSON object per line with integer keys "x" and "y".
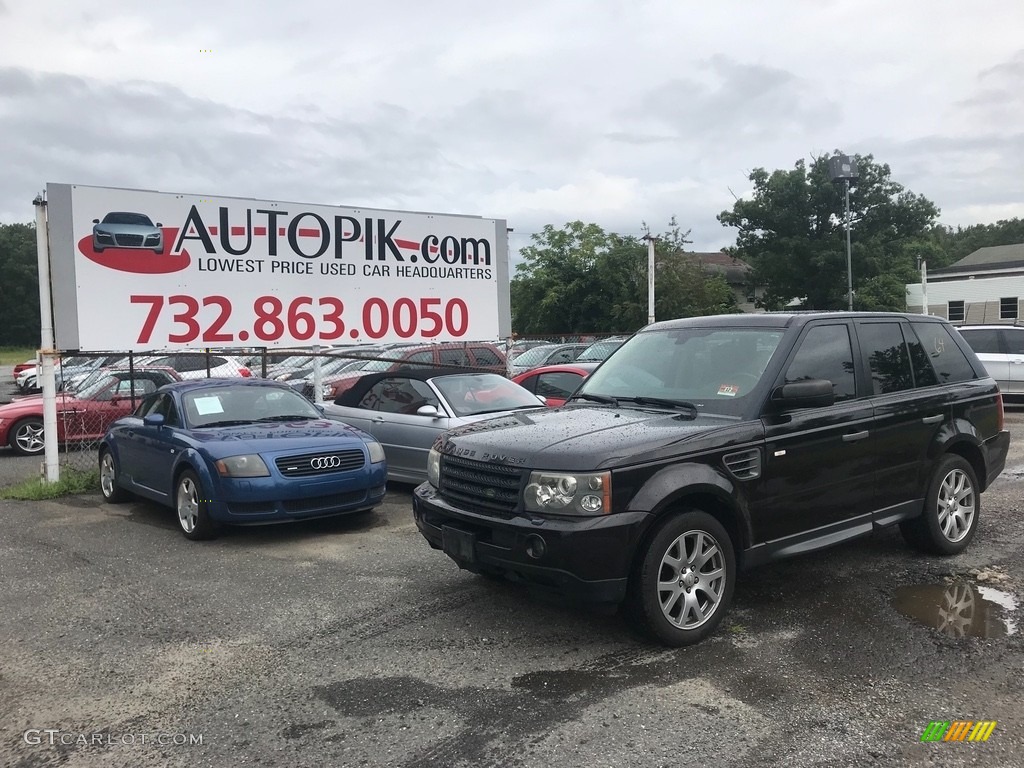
{"x": 318, "y": 376}
{"x": 650, "y": 278}
{"x": 849, "y": 252}
{"x": 51, "y": 466}
{"x": 924, "y": 287}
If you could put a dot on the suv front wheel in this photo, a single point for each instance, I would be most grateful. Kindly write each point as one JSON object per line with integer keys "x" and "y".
{"x": 683, "y": 583}
{"x": 951, "y": 507}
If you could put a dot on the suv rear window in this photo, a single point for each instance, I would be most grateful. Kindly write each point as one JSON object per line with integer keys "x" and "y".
{"x": 950, "y": 363}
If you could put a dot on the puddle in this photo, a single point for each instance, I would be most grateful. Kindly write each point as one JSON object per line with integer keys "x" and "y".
{"x": 959, "y": 609}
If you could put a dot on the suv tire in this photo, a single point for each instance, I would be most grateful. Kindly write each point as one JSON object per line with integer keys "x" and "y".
{"x": 683, "y": 582}
{"x": 952, "y": 506}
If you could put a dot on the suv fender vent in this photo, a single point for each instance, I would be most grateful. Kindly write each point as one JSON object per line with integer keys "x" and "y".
{"x": 745, "y": 465}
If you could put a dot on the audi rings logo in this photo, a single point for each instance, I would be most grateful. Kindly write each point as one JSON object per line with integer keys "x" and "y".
{"x": 325, "y": 462}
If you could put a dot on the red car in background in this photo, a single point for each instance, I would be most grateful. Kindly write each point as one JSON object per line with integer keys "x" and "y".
{"x": 555, "y": 382}
{"x": 84, "y": 415}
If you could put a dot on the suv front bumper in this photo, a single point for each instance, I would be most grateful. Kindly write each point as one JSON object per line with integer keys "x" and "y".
{"x": 588, "y": 558}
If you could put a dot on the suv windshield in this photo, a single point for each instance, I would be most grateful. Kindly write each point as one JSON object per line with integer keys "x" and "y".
{"x": 714, "y": 368}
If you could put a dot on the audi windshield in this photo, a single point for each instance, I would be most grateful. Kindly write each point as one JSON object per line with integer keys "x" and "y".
{"x": 222, "y": 406}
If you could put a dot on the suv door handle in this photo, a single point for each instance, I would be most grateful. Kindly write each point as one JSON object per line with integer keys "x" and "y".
{"x": 932, "y": 419}
{"x": 852, "y": 437}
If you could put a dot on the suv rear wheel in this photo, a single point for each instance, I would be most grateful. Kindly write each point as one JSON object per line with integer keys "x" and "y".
{"x": 683, "y": 583}
{"x": 951, "y": 508}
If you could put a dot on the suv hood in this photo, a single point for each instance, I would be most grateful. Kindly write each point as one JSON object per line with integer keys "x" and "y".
{"x": 585, "y": 437}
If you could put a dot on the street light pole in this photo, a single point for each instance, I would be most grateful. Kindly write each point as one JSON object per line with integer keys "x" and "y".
{"x": 849, "y": 251}
{"x": 843, "y": 168}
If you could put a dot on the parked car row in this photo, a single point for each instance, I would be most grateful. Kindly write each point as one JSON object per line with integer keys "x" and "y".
{"x": 649, "y": 480}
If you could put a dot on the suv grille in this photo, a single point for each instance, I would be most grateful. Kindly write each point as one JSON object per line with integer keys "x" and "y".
{"x": 480, "y": 486}
{"x": 320, "y": 463}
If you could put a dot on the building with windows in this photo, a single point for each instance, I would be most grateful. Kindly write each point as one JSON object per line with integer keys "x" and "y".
{"x": 984, "y": 287}
{"x": 737, "y": 273}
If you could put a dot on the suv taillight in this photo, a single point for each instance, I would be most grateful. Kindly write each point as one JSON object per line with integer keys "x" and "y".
{"x": 244, "y": 372}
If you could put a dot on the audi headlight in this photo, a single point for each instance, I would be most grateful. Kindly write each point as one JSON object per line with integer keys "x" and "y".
{"x": 434, "y": 467}
{"x": 376, "y": 452}
{"x": 569, "y": 493}
{"x": 250, "y": 465}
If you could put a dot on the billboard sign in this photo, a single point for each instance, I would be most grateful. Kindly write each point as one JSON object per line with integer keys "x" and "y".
{"x": 139, "y": 270}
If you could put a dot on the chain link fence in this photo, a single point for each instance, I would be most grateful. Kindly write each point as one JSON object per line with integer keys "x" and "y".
{"x": 95, "y": 389}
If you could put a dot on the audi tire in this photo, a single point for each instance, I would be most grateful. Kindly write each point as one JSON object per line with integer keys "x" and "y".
{"x": 190, "y": 502}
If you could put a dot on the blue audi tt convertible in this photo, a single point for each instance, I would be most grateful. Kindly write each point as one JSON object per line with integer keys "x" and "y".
{"x": 240, "y": 451}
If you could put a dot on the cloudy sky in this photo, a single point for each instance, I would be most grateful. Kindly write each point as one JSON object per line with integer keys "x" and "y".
{"x": 540, "y": 112}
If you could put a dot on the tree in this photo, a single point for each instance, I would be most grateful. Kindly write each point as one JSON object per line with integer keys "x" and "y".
{"x": 792, "y": 232}
{"x": 19, "y": 286}
{"x": 581, "y": 279}
{"x": 959, "y": 242}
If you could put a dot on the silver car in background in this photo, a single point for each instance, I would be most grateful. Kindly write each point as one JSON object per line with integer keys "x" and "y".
{"x": 406, "y": 410}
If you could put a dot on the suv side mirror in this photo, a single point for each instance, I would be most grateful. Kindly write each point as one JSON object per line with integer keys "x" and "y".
{"x": 810, "y": 393}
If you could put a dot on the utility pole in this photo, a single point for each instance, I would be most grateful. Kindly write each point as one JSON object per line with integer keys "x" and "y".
{"x": 651, "y": 240}
{"x": 849, "y": 251}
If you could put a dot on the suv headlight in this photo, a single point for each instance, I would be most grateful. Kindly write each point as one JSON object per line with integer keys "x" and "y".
{"x": 569, "y": 493}
{"x": 434, "y": 467}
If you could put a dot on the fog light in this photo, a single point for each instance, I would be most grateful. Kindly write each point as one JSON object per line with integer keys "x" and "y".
{"x": 535, "y": 546}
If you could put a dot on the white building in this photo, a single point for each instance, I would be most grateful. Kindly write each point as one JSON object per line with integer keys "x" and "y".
{"x": 986, "y": 286}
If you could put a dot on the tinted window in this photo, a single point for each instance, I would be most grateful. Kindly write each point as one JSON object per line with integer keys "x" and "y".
{"x": 924, "y": 374}
{"x": 559, "y": 385}
{"x": 452, "y": 356}
{"x": 947, "y": 358}
{"x": 485, "y": 356}
{"x": 982, "y": 340}
{"x": 826, "y": 353}
{"x": 1014, "y": 341}
{"x": 887, "y": 355}
{"x": 421, "y": 357}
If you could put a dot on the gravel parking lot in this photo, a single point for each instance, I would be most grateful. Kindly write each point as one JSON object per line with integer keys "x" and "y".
{"x": 350, "y": 642}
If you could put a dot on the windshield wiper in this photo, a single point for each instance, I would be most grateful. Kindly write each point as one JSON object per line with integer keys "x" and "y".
{"x": 303, "y": 417}
{"x": 606, "y": 399}
{"x": 225, "y": 423}
{"x": 663, "y": 401}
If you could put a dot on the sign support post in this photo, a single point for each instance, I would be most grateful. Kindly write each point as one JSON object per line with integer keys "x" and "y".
{"x": 47, "y": 354}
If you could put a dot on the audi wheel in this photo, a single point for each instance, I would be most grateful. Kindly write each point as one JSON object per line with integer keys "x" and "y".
{"x": 191, "y": 502}
{"x": 112, "y": 492}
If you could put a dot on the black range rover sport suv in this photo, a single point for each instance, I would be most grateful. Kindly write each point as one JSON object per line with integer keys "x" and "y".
{"x": 707, "y": 445}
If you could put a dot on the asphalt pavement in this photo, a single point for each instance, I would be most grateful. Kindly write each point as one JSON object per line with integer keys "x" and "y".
{"x": 351, "y": 642}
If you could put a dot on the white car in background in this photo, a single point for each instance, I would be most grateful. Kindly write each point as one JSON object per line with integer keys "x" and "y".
{"x": 1001, "y": 350}
{"x": 193, "y": 365}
